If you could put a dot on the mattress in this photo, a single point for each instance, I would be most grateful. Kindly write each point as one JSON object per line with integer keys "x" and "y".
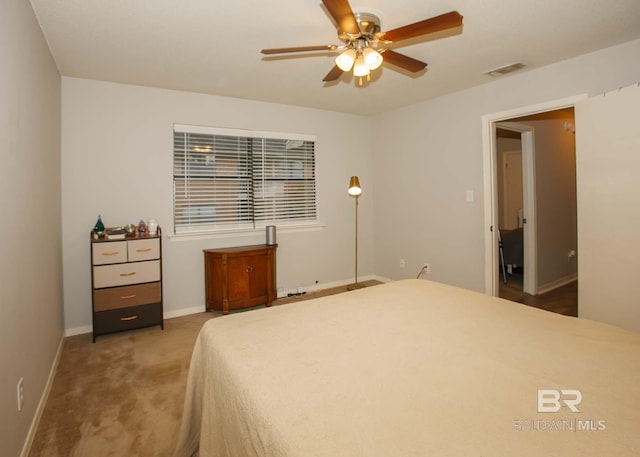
{"x": 411, "y": 368}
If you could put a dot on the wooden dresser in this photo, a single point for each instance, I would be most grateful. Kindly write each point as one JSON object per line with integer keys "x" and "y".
{"x": 126, "y": 279}
{"x": 240, "y": 277}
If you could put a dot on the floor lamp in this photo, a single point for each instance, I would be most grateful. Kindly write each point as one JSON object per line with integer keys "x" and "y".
{"x": 355, "y": 190}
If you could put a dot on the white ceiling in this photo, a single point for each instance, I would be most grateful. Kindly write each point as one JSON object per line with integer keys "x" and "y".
{"x": 213, "y": 46}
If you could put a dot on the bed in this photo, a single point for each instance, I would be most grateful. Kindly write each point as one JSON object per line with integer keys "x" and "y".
{"x": 411, "y": 368}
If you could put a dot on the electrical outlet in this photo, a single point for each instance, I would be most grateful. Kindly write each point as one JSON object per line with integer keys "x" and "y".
{"x": 401, "y": 263}
{"x": 427, "y": 268}
{"x": 20, "y": 393}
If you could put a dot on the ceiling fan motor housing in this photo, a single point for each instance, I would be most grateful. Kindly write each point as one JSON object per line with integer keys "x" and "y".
{"x": 369, "y": 28}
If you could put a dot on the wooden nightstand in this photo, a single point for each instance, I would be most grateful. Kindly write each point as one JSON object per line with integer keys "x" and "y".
{"x": 240, "y": 277}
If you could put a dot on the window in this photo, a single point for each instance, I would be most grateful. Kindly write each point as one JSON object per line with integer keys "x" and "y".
{"x": 235, "y": 179}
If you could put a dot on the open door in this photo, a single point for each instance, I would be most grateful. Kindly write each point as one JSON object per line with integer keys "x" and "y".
{"x": 511, "y": 200}
{"x": 527, "y": 219}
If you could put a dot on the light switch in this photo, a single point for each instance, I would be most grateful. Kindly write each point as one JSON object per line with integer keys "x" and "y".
{"x": 470, "y": 197}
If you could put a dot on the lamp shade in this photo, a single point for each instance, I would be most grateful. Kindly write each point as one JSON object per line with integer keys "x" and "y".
{"x": 372, "y": 58}
{"x": 360, "y": 68}
{"x": 354, "y": 186}
{"x": 345, "y": 60}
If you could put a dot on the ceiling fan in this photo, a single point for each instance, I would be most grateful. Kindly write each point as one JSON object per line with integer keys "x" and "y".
{"x": 365, "y": 45}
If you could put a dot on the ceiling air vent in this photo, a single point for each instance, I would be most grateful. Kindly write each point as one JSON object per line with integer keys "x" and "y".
{"x": 505, "y": 69}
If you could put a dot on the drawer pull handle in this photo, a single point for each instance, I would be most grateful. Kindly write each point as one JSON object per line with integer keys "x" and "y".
{"x": 130, "y": 318}
{"x": 143, "y": 250}
{"x": 126, "y": 297}
{"x": 111, "y": 253}
{"x": 249, "y": 269}
{"x": 128, "y": 274}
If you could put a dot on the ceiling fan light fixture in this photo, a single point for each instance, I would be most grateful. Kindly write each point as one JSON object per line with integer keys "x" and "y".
{"x": 345, "y": 60}
{"x": 360, "y": 68}
{"x": 365, "y": 42}
{"x": 372, "y": 58}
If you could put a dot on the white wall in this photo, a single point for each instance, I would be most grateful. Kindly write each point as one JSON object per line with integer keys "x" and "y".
{"x": 31, "y": 327}
{"x": 428, "y": 155}
{"x": 117, "y": 161}
{"x": 608, "y": 164}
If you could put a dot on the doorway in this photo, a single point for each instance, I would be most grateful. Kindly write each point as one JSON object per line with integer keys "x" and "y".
{"x": 516, "y": 206}
{"x": 548, "y": 220}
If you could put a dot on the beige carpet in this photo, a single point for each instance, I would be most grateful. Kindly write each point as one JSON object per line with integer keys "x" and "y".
{"x": 123, "y": 395}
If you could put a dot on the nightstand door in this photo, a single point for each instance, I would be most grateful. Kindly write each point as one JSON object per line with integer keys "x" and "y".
{"x": 238, "y": 269}
{"x": 258, "y": 275}
{"x": 247, "y": 277}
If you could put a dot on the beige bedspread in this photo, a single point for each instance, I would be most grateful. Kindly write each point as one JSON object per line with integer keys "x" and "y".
{"x": 411, "y": 368}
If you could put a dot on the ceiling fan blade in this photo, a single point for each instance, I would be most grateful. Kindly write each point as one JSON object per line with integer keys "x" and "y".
{"x": 326, "y": 47}
{"x": 342, "y": 13}
{"x": 402, "y": 61}
{"x": 334, "y": 74}
{"x": 445, "y": 21}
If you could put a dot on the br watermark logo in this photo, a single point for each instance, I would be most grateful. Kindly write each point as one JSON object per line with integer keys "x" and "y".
{"x": 555, "y": 401}
{"x": 552, "y": 401}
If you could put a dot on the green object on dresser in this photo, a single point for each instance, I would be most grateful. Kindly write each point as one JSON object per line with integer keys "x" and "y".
{"x": 99, "y": 227}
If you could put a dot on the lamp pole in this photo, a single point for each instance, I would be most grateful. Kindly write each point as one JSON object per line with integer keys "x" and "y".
{"x": 355, "y": 284}
{"x": 355, "y": 190}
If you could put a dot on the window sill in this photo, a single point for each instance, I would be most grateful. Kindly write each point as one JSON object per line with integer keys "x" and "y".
{"x": 239, "y": 233}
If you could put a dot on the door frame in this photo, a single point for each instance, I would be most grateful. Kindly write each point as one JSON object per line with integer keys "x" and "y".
{"x": 490, "y": 183}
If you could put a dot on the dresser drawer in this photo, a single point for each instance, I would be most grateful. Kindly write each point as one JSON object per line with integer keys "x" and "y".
{"x": 127, "y": 318}
{"x": 125, "y": 274}
{"x": 106, "y": 253}
{"x": 126, "y": 296}
{"x": 143, "y": 249}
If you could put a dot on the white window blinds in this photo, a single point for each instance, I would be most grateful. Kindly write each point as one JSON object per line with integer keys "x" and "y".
{"x": 225, "y": 179}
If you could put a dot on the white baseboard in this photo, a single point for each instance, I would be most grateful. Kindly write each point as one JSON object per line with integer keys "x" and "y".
{"x": 557, "y": 283}
{"x": 281, "y": 294}
{"x": 382, "y": 278}
{"x": 78, "y": 330}
{"x": 329, "y": 285}
{"x": 184, "y": 312}
{"x": 43, "y": 401}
